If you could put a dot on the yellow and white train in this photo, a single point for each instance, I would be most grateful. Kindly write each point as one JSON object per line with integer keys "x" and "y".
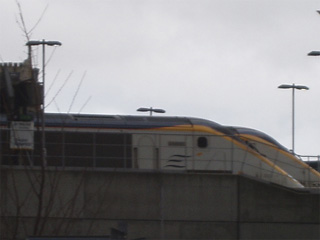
{"x": 165, "y": 144}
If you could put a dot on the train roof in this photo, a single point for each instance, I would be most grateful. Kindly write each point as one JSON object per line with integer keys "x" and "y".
{"x": 126, "y": 121}
{"x": 144, "y": 122}
{"x": 135, "y": 122}
{"x": 262, "y": 135}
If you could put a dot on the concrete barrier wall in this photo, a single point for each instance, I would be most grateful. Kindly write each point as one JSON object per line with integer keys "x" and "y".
{"x": 155, "y": 205}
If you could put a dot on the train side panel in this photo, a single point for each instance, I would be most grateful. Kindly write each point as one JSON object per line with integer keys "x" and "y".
{"x": 204, "y": 152}
{"x": 159, "y": 150}
{"x": 285, "y": 160}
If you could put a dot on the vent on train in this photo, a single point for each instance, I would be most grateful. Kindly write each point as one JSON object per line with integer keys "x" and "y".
{"x": 93, "y": 117}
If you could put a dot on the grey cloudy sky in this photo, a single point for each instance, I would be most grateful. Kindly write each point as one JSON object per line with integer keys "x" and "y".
{"x": 216, "y": 59}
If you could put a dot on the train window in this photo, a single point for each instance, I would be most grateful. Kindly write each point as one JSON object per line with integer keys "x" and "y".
{"x": 202, "y": 142}
{"x": 113, "y": 150}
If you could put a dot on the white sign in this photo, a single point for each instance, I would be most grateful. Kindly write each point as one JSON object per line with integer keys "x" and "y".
{"x": 21, "y": 135}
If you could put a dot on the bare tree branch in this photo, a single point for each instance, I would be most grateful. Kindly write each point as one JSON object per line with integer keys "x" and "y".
{"x": 57, "y": 106}
{"x": 22, "y": 23}
{"x": 51, "y": 55}
{"x": 86, "y": 102}
{"x": 77, "y": 91}
{"x": 65, "y": 82}
{"x": 53, "y": 82}
{"x": 39, "y": 20}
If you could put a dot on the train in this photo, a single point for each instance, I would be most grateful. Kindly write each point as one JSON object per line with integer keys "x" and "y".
{"x": 160, "y": 143}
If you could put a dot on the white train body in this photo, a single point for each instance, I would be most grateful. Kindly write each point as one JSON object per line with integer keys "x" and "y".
{"x": 281, "y": 157}
{"x": 170, "y": 144}
{"x": 170, "y": 150}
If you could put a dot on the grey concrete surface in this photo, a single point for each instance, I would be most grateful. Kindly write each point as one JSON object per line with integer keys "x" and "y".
{"x": 155, "y": 205}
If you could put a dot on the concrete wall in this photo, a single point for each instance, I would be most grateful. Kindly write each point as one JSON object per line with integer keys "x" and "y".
{"x": 155, "y": 205}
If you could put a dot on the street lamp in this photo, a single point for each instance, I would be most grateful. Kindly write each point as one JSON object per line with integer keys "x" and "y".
{"x": 157, "y": 110}
{"x": 314, "y": 53}
{"x": 298, "y": 87}
{"x": 43, "y": 43}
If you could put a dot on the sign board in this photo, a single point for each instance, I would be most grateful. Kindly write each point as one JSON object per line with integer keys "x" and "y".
{"x": 21, "y": 135}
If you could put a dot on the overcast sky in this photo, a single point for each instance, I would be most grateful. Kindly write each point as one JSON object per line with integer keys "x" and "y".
{"x": 220, "y": 60}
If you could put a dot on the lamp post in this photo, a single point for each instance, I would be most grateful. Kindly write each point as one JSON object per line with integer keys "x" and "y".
{"x": 293, "y": 87}
{"x": 43, "y": 43}
{"x": 157, "y": 110}
{"x": 314, "y": 53}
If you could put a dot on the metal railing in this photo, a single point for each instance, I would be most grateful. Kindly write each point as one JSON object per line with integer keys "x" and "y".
{"x": 311, "y": 160}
